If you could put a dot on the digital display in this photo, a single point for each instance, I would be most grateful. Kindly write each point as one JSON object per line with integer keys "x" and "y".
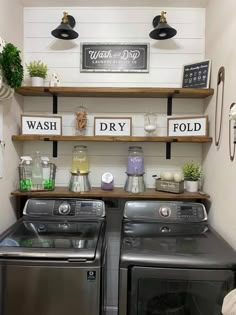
{"x": 86, "y": 204}
{"x": 185, "y": 210}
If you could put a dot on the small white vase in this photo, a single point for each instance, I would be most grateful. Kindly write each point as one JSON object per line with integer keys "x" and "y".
{"x": 37, "y": 81}
{"x": 191, "y": 186}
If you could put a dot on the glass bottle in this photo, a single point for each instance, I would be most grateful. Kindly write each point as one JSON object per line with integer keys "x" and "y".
{"x": 37, "y": 178}
{"x": 135, "y": 164}
{"x": 150, "y": 123}
{"x": 80, "y": 163}
{"x": 81, "y": 120}
{"x": 25, "y": 173}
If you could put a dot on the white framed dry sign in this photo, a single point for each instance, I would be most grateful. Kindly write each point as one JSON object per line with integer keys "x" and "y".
{"x": 187, "y": 126}
{"x": 112, "y": 126}
{"x": 41, "y": 125}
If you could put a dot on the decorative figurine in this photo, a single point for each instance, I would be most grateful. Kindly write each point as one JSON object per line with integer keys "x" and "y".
{"x": 54, "y": 80}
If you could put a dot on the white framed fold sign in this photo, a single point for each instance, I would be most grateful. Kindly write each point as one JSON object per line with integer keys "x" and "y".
{"x": 41, "y": 125}
{"x": 187, "y": 126}
{"x": 114, "y": 57}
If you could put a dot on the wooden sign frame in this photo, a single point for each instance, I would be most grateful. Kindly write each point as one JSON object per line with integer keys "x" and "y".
{"x": 114, "y": 57}
{"x": 112, "y": 126}
{"x": 197, "y": 75}
{"x": 41, "y": 125}
{"x": 187, "y": 126}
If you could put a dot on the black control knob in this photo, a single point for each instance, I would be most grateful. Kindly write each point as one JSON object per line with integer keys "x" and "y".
{"x": 64, "y": 208}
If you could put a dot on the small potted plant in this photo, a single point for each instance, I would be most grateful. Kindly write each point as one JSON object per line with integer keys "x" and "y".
{"x": 192, "y": 173}
{"x": 37, "y": 71}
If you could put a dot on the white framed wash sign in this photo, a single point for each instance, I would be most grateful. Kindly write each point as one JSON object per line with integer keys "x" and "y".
{"x": 112, "y": 126}
{"x": 41, "y": 125}
{"x": 187, "y": 126}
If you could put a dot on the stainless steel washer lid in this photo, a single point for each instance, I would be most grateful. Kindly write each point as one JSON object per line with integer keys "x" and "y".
{"x": 170, "y": 245}
{"x": 52, "y": 239}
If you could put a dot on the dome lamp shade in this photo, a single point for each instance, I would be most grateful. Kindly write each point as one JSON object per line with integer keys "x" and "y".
{"x": 65, "y": 29}
{"x": 162, "y": 30}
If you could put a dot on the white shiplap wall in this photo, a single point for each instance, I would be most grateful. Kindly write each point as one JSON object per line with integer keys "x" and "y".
{"x": 166, "y": 61}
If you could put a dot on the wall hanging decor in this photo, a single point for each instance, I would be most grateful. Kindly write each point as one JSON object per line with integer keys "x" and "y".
{"x": 41, "y": 125}
{"x": 220, "y": 81}
{"x": 65, "y": 29}
{"x": 197, "y": 75}
{"x": 112, "y": 126}
{"x": 11, "y": 69}
{"x": 232, "y": 129}
{"x": 114, "y": 57}
{"x": 187, "y": 126}
{"x": 162, "y": 30}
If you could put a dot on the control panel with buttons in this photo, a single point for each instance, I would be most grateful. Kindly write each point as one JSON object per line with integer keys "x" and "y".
{"x": 69, "y": 207}
{"x": 165, "y": 211}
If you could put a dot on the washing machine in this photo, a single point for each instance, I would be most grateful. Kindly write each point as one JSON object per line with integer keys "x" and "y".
{"x": 52, "y": 260}
{"x": 172, "y": 261}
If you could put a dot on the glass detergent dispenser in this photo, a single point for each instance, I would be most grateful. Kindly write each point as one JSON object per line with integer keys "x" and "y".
{"x": 135, "y": 170}
{"x": 79, "y": 180}
{"x": 80, "y": 163}
{"x": 135, "y": 163}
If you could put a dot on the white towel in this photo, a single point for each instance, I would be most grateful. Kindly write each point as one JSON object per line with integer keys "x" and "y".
{"x": 229, "y": 303}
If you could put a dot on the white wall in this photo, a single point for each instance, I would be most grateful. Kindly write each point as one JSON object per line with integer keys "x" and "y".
{"x": 219, "y": 170}
{"x": 166, "y": 60}
{"x": 11, "y": 32}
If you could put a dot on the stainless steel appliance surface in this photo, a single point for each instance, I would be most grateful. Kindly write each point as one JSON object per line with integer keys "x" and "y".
{"x": 172, "y": 261}
{"x": 52, "y": 260}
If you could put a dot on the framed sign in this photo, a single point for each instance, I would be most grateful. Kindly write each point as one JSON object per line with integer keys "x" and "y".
{"x": 41, "y": 125}
{"x": 114, "y": 57}
{"x": 112, "y": 126}
{"x": 187, "y": 126}
{"x": 197, "y": 75}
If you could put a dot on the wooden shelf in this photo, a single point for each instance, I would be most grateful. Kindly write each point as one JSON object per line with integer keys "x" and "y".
{"x": 196, "y": 139}
{"x": 116, "y": 193}
{"x": 115, "y": 92}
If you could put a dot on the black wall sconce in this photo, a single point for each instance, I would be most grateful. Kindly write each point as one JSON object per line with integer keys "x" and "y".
{"x": 65, "y": 29}
{"x": 162, "y": 30}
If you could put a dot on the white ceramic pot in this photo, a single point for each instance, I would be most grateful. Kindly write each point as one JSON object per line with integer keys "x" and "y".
{"x": 191, "y": 186}
{"x": 37, "y": 81}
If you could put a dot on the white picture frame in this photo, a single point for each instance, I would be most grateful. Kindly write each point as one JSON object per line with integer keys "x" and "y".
{"x": 112, "y": 126}
{"x": 187, "y": 126}
{"x": 41, "y": 125}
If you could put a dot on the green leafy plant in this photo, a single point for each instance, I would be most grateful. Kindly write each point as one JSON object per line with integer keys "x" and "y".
{"x": 37, "y": 69}
{"x": 192, "y": 171}
{"x": 10, "y": 65}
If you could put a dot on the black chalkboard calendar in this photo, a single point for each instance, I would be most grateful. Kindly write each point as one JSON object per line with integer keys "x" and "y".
{"x": 197, "y": 75}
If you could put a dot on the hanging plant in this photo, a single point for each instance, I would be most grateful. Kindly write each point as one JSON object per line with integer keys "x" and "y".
{"x": 10, "y": 64}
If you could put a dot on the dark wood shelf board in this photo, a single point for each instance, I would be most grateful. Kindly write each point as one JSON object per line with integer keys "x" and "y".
{"x": 197, "y": 139}
{"x": 116, "y": 193}
{"x": 115, "y": 92}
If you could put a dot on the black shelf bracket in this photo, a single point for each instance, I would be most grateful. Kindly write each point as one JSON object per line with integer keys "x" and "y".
{"x": 169, "y": 113}
{"x": 54, "y": 111}
{"x": 55, "y": 104}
